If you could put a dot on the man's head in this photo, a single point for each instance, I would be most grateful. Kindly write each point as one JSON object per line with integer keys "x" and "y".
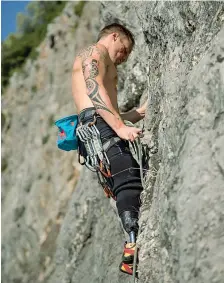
{"x": 118, "y": 40}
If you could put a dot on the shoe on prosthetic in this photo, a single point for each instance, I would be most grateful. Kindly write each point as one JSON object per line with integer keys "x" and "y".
{"x": 130, "y": 223}
{"x": 128, "y": 253}
{"x": 127, "y": 269}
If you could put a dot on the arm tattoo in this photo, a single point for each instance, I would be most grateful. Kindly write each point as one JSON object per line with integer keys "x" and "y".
{"x": 87, "y": 52}
{"x": 94, "y": 95}
{"x": 91, "y": 71}
{"x": 93, "y": 68}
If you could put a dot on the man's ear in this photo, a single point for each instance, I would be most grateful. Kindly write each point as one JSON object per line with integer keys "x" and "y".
{"x": 115, "y": 36}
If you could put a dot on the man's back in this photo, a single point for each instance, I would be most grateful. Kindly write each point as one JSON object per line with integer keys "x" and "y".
{"x": 109, "y": 81}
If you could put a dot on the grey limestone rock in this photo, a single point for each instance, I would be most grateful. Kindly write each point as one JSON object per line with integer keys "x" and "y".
{"x": 57, "y": 225}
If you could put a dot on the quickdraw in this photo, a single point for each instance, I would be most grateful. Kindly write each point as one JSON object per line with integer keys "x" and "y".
{"x": 96, "y": 158}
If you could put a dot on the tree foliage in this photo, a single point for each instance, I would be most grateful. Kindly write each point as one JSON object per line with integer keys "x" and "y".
{"x": 79, "y": 8}
{"x": 31, "y": 30}
{"x": 23, "y": 23}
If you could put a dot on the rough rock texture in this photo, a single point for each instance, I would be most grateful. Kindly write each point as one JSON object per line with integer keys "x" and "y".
{"x": 38, "y": 180}
{"x": 55, "y": 230}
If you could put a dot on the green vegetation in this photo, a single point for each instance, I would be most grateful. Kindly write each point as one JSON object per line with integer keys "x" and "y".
{"x": 51, "y": 78}
{"x": 34, "y": 88}
{"x": 3, "y": 120}
{"x": 79, "y": 8}
{"x": 45, "y": 139}
{"x": 51, "y": 121}
{"x": 31, "y": 30}
{"x": 4, "y": 164}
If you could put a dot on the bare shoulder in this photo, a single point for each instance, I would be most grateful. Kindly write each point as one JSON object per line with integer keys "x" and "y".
{"x": 95, "y": 50}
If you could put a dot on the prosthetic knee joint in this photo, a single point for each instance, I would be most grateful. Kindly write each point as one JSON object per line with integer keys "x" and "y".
{"x": 130, "y": 223}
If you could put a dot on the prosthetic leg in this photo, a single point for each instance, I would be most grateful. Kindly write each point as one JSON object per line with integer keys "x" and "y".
{"x": 130, "y": 223}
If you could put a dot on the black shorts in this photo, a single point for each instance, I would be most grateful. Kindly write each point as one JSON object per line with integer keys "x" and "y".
{"x": 126, "y": 180}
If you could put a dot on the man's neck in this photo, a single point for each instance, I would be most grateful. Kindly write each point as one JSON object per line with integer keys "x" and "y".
{"x": 104, "y": 42}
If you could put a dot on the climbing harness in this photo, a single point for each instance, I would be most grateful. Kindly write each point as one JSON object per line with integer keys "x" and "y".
{"x": 96, "y": 157}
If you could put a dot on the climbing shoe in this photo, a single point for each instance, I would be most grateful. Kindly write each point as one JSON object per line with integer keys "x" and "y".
{"x": 127, "y": 268}
{"x": 129, "y": 251}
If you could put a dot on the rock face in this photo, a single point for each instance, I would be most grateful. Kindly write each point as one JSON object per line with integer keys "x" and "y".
{"x": 57, "y": 226}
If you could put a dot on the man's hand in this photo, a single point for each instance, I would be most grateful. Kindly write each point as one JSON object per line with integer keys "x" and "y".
{"x": 142, "y": 109}
{"x": 128, "y": 133}
{"x": 135, "y": 115}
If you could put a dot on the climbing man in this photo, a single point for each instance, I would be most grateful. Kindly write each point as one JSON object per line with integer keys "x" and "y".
{"x": 94, "y": 82}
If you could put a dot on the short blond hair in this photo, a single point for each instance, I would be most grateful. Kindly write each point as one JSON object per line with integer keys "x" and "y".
{"x": 115, "y": 27}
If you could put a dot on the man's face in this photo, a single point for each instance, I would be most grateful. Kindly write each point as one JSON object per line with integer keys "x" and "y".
{"x": 121, "y": 49}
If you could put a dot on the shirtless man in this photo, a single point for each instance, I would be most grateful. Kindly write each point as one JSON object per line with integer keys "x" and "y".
{"x": 94, "y": 89}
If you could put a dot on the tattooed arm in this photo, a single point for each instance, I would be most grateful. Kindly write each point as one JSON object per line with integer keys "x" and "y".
{"x": 134, "y": 115}
{"x": 94, "y": 66}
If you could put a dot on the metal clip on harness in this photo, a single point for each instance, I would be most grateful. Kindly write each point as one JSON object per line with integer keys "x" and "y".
{"x": 84, "y": 134}
{"x": 96, "y": 160}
